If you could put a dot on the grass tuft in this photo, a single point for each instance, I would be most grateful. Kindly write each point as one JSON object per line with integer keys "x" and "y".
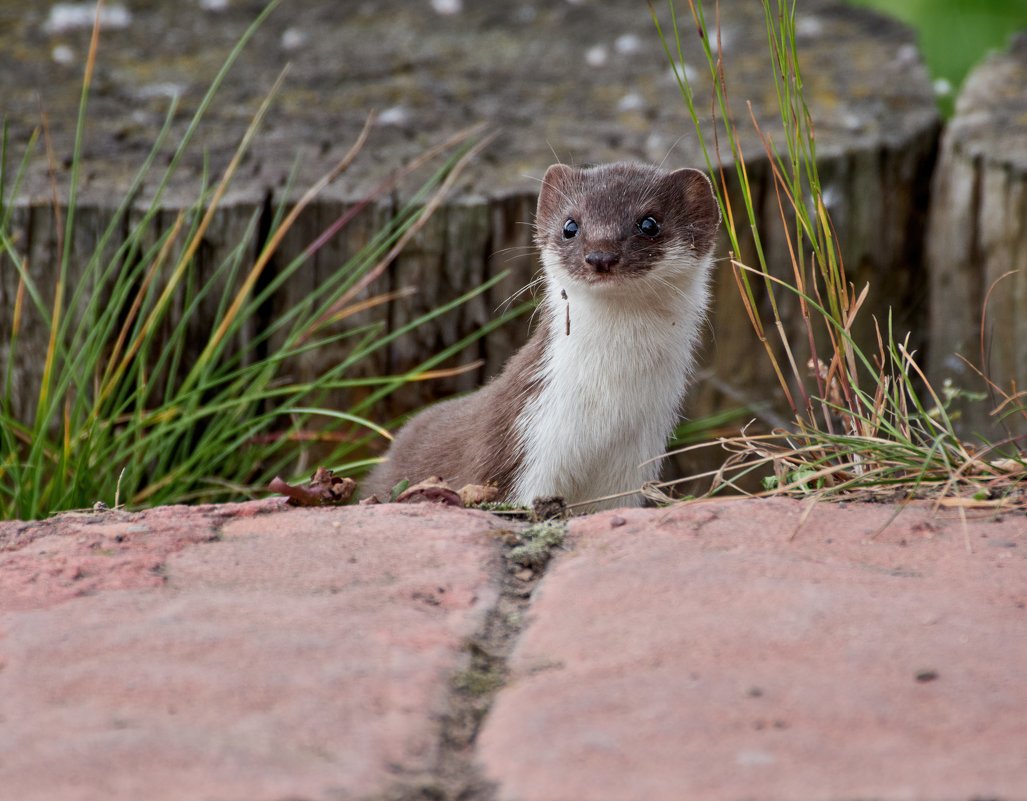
{"x": 128, "y": 408}
{"x": 865, "y": 423}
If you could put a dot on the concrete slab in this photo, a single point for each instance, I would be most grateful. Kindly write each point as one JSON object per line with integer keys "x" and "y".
{"x": 739, "y": 650}
{"x": 256, "y": 654}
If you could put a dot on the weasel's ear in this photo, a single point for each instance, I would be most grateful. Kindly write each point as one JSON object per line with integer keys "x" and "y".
{"x": 554, "y": 184}
{"x": 700, "y": 204}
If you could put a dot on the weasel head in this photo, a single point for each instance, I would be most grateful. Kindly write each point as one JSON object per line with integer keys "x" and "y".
{"x": 610, "y": 227}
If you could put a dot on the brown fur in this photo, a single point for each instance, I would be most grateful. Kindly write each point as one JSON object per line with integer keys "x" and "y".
{"x": 468, "y": 440}
{"x": 621, "y": 194}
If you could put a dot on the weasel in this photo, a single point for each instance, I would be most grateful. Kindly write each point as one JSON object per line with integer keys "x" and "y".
{"x": 592, "y": 397}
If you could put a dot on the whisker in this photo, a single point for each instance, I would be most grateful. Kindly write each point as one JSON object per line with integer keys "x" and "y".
{"x": 681, "y": 293}
{"x": 543, "y": 182}
{"x": 671, "y": 150}
{"x": 531, "y": 319}
{"x": 530, "y": 286}
{"x": 553, "y": 151}
{"x": 516, "y": 250}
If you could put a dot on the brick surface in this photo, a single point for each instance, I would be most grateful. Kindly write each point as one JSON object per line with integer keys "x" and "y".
{"x": 739, "y": 651}
{"x": 733, "y": 650}
{"x": 297, "y": 654}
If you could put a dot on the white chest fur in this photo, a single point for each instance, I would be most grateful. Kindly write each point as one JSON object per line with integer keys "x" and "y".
{"x": 610, "y": 390}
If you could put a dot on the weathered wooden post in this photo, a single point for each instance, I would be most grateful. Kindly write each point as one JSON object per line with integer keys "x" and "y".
{"x": 977, "y": 243}
{"x": 604, "y": 93}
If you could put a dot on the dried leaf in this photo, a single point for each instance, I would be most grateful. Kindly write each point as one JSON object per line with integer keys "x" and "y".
{"x": 973, "y": 503}
{"x": 431, "y": 490}
{"x": 325, "y": 489}
{"x": 476, "y": 494}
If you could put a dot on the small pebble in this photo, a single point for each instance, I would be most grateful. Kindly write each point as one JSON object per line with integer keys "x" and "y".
{"x": 447, "y": 7}
{"x": 810, "y": 27}
{"x": 942, "y": 87}
{"x": 630, "y": 102}
{"x": 596, "y": 56}
{"x": 293, "y": 39}
{"x": 63, "y": 55}
{"x": 394, "y": 115}
{"x": 685, "y": 72}
{"x": 924, "y": 676}
{"x": 525, "y": 575}
{"x": 627, "y": 43}
{"x": 65, "y": 17}
{"x": 617, "y": 521}
{"x": 908, "y": 54}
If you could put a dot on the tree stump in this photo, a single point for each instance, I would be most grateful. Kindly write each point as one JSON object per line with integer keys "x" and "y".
{"x": 977, "y": 240}
{"x": 555, "y": 80}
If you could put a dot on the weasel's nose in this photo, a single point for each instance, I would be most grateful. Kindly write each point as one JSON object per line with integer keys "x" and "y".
{"x": 602, "y": 260}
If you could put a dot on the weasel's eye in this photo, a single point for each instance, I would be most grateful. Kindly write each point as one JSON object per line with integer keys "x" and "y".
{"x": 570, "y": 229}
{"x": 648, "y": 226}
